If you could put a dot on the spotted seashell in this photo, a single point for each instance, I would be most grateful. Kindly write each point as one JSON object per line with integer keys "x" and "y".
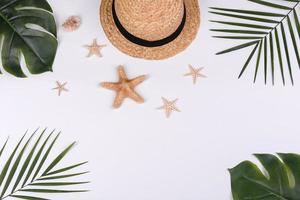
{"x": 72, "y": 23}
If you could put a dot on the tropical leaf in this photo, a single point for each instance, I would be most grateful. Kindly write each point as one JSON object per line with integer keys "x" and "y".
{"x": 273, "y": 36}
{"x": 27, "y": 27}
{"x": 28, "y": 172}
{"x": 280, "y": 179}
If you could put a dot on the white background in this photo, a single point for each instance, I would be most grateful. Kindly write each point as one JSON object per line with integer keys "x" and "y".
{"x": 135, "y": 153}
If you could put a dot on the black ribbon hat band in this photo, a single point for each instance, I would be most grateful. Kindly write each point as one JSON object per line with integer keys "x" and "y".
{"x": 146, "y": 43}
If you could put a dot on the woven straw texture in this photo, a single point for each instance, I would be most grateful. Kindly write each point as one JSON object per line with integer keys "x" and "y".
{"x": 151, "y": 20}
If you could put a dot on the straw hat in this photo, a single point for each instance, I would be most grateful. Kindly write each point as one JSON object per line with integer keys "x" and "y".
{"x": 150, "y": 29}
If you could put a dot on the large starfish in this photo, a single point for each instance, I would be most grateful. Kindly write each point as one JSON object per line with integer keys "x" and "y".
{"x": 125, "y": 88}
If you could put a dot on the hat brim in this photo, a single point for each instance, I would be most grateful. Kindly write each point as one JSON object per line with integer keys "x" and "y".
{"x": 176, "y": 46}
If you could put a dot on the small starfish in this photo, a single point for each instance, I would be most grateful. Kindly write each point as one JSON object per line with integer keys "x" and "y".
{"x": 169, "y": 106}
{"x": 125, "y": 88}
{"x": 60, "y": 87}
{"x": 195, "y": 73}
{"x": 95, "y": 49}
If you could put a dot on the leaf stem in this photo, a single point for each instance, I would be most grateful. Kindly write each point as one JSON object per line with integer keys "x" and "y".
{"x": 281, "y": 21}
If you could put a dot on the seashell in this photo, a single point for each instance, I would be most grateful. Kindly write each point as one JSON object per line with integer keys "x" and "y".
{"x": 72, "y": 23}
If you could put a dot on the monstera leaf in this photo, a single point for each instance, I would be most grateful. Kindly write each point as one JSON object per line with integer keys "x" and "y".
{"x": 29, "y": 173}
{"x": 27, "y": 27}
{"x": 273, "y": 36}
{"x": 279, "y": 181}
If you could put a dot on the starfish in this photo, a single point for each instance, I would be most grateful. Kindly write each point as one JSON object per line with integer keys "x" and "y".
{"x": 169, "y": 106}
{"x": 195, "y": 73}
{"x": 95, "y": 49}
{"x": 60, "y": 87}
{"x": 125, "y": 88}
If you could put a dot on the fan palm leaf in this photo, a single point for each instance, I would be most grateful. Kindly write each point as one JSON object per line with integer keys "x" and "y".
{"x": 274, "y": 36}
{"x": 26, "y": 174}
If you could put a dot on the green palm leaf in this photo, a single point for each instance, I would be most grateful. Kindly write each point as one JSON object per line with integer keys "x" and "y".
{"x": 280, "y": 179}
{"x": 14, "y": 167}
{"x": 28, "y": 197}
{"x": 26, "y": 163}
{"x": 297, "y": 22}
{"x": 271, "y": 29}
{"x": 37, "y": 43}
{"x": 22, "y": 166}
{"x": 61, "y": 176}
{"x": 258, "y": 60}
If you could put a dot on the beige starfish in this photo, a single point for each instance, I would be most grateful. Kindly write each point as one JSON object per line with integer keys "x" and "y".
{"x": 95, "y": 49}
{"x": 169, "y": 106}
{"x": 195, "y": 73}
{"x": 125, "y": 88}
{"x": 60, "y": 87}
